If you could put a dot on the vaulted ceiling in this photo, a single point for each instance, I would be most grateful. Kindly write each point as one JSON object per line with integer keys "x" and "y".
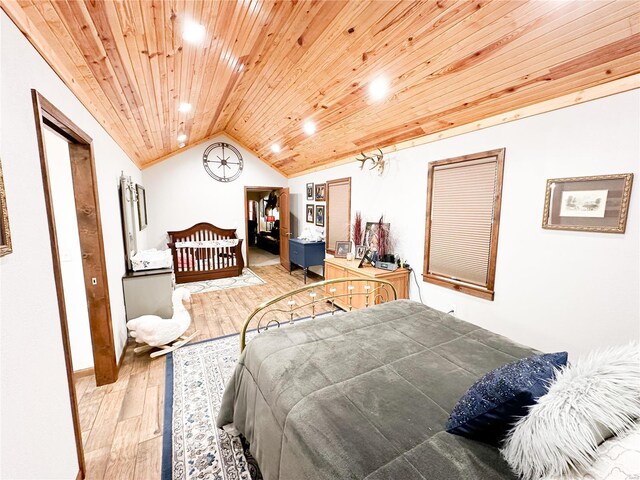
{"x": 266, "y": 67}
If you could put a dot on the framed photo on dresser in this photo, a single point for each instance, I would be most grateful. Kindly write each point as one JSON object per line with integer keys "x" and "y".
{"x": 342, "y": 248}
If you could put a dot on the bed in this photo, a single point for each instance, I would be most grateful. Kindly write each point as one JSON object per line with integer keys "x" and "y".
{"x": 205, "y": 252}
{"x": 364, "y": 395}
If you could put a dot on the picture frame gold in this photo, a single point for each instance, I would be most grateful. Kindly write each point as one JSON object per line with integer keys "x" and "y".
{"x": 597, "y": 203}
{"x": 5, "y": 232}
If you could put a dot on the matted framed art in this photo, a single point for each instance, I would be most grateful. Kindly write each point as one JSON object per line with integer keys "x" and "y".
{"x": 588, "y": 204}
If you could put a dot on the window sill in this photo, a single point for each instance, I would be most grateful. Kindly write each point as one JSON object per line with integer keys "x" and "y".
{"x": 460, "y": 287}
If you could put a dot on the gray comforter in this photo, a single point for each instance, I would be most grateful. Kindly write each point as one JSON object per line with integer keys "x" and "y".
{"x": 365, "y": 395}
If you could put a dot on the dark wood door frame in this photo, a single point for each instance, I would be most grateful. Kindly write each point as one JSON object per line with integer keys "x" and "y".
{"x": 92, "y": 248}
{"x": 246, "y": 211}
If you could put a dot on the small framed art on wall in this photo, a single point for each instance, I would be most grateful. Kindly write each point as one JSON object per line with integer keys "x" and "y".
{"x": 320, "y": 215}
{"x": 588, "y": 204}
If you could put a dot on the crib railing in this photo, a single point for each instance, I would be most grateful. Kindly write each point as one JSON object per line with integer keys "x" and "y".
{"x": 198, "y": 260}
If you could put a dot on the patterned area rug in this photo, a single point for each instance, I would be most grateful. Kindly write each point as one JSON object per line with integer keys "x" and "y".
{"x": 247, "y": 279}
{"x": 193, "y": 447}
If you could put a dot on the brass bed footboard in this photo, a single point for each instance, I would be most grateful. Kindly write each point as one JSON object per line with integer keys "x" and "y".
{"x": 311, "y": 299}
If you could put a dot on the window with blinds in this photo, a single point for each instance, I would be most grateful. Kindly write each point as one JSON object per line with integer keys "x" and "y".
{"x": 463, "y": 215}
{"x": 338, "y": 215}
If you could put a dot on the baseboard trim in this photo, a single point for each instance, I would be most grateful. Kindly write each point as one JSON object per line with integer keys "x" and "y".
{"x": 124, "y": 350}
{"x": 85, "y": 372}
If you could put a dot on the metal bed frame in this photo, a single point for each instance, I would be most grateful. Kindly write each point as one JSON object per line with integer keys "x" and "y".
{"x": 378, "y": 291}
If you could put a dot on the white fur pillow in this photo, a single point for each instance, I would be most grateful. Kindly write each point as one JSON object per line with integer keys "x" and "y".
{"x": 590, "y": 399}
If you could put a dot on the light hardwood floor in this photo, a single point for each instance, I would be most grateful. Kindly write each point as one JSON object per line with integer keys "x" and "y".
{"x": 122, "y": 422}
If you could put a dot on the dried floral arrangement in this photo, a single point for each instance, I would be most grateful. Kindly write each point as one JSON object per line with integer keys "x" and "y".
{"x": 383, "y": 238}
{"x": 357, "y": 230}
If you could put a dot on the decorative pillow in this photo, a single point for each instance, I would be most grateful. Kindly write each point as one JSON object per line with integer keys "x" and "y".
{"x": 495, "y": 402}
{"x": 591, "y": 399}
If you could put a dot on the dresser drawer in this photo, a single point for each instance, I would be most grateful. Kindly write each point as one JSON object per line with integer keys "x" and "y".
{"x": 296, "y": 253}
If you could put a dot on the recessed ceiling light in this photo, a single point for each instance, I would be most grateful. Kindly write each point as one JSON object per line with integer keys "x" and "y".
{"x": 182, "y": 137}
{"x": 184, "y": 107}
{"x": 379, "y": 88}
{"x": 181, "y": 145}
{"x": 193, "y": 32}
{"x": 309, "y": 127}
{"x": 275, "y": 148}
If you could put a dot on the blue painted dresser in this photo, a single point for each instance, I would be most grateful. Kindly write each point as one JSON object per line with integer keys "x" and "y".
{"x": 306, "y": 254}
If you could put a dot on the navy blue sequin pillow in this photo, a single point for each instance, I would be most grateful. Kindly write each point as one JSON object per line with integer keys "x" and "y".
{"x": 495, "y": 402}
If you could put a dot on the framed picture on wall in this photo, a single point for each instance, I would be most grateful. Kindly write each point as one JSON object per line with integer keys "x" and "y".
{"x": 588, "y": 204}
{"x": 320, "y": 215}
{"x": 309, "y": 213}
{"x": 142, "y": 207}
{"x": 320, "y": 192}
{"x": 5, "y": 232}
{"x": 310, "y": 191}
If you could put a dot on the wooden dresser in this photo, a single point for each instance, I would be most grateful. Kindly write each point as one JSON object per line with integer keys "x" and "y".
{"x": 342, "y": 268}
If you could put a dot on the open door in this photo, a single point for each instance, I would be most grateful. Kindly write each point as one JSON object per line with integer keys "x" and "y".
{"x": 285, "y": 226}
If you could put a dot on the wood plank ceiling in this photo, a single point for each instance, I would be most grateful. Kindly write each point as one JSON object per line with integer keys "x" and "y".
{"x": 266, "y": 67}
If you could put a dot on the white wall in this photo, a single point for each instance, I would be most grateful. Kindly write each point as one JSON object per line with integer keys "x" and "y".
{"x": 36, "y": 428}
{"x": 555, "y": 290}
{"x": 180, "y": 193}
{"x": 64, "y": 209}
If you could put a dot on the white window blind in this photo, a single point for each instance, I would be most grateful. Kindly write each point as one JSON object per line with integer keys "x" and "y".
{"x": 338, "y": 214}
{"x": 461, "y": 224}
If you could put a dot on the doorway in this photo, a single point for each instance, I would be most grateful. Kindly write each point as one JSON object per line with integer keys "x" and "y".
{"x": 77, "y": 250}
{"x": 267, "y": 223}
{"x": 263, "y": 226}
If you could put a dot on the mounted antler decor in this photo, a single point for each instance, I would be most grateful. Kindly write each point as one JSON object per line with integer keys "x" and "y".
{"x": 375, "y": 158}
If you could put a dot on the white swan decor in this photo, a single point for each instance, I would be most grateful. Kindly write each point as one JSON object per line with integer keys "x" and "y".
{"x": 158, "y": 332}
